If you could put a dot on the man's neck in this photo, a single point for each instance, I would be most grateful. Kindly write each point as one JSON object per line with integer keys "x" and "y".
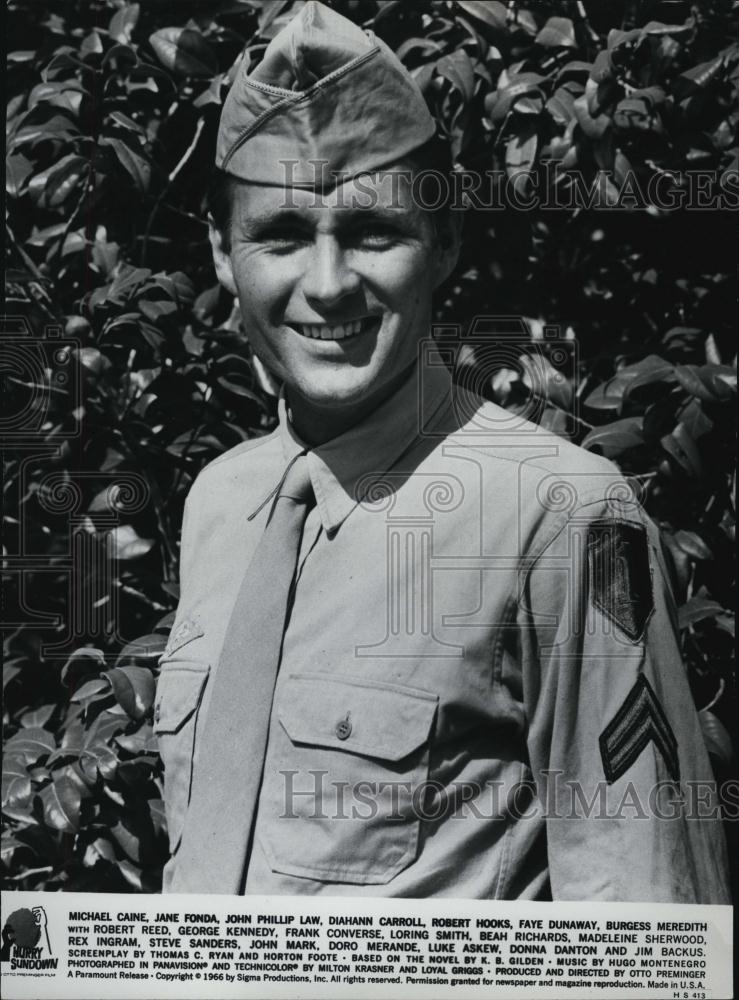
{"x": 317, "y": 425}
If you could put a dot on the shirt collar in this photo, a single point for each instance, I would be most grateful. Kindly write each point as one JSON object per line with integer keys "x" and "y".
{"x": 342, "y": 469}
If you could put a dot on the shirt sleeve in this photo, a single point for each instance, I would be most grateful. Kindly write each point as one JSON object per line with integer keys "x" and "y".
{"x": 614, "y": 739}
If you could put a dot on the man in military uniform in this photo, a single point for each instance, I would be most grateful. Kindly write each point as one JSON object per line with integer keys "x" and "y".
{"x": 423, "y": 646}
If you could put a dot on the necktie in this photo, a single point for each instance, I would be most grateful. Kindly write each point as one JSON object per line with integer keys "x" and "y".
{"x": 228, "y": 772}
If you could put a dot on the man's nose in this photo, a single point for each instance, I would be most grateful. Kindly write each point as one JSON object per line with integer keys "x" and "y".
{"x": 329, "y": 276}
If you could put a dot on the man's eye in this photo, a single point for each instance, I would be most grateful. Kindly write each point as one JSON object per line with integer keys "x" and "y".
{"x": 379, "y": 236}
{"x": 285, "y": 236}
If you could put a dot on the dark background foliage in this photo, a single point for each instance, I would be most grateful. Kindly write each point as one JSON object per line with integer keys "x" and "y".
{"x": 126, "y": 368}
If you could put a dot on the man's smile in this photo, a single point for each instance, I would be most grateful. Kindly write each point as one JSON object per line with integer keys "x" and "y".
{"x": 335, "y": 331}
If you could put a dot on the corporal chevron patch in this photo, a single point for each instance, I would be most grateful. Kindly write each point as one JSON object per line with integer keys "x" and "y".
{"x": 640, "y": 719}
{"x": 620, "y": 575}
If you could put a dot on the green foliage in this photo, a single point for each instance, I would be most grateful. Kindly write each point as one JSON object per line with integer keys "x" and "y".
{"x": 112, "y": 116}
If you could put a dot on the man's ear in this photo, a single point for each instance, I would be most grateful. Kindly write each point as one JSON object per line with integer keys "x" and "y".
{"x": 221, "y": 259}
{"x": 449, "y": 242}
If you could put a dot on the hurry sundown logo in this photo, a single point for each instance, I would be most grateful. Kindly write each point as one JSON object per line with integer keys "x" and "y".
{"x": 25, "y": 940}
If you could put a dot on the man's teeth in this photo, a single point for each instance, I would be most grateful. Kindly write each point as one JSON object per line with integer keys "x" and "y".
{"x": 322, "y": 332}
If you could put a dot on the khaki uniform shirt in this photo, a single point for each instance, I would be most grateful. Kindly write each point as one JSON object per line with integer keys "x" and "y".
{"x": 481, "y": 693}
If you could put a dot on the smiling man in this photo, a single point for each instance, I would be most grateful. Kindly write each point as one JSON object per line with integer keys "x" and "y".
{"x": 335, "y": 290}
{"x": 423, "y": 646}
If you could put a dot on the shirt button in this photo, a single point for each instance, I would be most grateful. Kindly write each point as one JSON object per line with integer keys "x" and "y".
{"x": 158, "y": 712}
{"x": 344, "y": 728}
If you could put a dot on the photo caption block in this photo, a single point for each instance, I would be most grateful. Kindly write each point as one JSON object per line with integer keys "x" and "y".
{"x": 120, "y": 946}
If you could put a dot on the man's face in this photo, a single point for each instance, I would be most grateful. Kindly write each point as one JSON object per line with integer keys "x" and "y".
{"x": 334, "y": 296}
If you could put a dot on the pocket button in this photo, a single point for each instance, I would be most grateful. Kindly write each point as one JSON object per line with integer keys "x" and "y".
{"x": 344, "y": 728}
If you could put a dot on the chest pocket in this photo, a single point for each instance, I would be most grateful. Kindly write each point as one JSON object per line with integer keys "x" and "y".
{"x": 343, "y": 786}
{"x": 176, "y": 717}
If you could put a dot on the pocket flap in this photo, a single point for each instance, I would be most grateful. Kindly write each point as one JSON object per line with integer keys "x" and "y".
{"x": 387, "y": 721}
{"x": 179, "y": 692}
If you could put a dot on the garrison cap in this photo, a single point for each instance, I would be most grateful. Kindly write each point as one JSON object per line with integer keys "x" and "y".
{"x": 325, "y": 91}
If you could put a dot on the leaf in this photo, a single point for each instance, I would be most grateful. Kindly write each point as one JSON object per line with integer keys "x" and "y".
{"x": 520, "y": 156}
{"x": 31, "y": 744}
{"x": 99, "y": 850}
{"x": 704, "y": 73}
{"x": 183, "y": 288}
{"x": 131, "y": 874}
{"x": 148, "y": 649}
{"x": 62, "y": 802}
{"x": 609, "y": 397}
{"x": 92, "y": 359}
{"x": 73, "y": 773}
{"x": 125, "y": 542}
{"x": 720, "y": 380}
{"x": 697, "y": 609}
{"x": 127, "y": 840}
{"x": 695, "y": 420}
{"x": 594, "y": 127}
{"x": 677, "y": 334}
{"x": 135, "y": 743}
{"x": 693, "y": 544}
{"x": 72, "y": 740}
{"x": 490, "y": 12}
{"x": 615, "y": 438}
{"x": 37, "y": 717}
{"x": 105, "y": 726}
{"x": 85, "y": 658}
{"x": 123, "y": 22}
{"x": 154, "y": 310}
{"x": 134, "y": 689}
{"x": 544, "y": 381}
{"x": 652, "y": 373}
{"x": 58, "y": 127}
{"x": 237, "y": 388}
{"x": 124, "y": 283}
{"x": 136, "y": 165}
{"x": 100, "y": 760}
{"x": 165, "y": 624}
{"x": 91, "y": 691}
{"x": 158, "y": 815}
{"x": 716, "y": 737}
{"x": 557, "y": 33}
{"x": 10, "y": 672}
{"x": 91, "y": 44}
{"x": 458, "y": 69}
{"x": 681, "y": 446}
{"x": 52, "y": 186}
{"x": 207, "y": 302}
{"x": 17, "y": 169}
{"x": 499, "y": 102}
{"x": 125, "y": 122}
{"x": 185, "y": 52}
{"x": 16, "y": 782}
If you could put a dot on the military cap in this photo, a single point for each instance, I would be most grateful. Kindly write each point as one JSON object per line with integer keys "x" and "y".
{"x": 325, "y": 92}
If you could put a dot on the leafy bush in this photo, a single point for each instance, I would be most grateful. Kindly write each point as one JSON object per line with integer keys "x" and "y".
{"x": 127, "y": 368}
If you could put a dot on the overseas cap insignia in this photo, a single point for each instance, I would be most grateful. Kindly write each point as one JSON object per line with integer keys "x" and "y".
{"x": 325, "y": 92}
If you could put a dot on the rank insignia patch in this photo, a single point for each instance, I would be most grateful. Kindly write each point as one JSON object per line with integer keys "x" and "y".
{"x": 640, "y": 719}
{"x": 620, "y": 576}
